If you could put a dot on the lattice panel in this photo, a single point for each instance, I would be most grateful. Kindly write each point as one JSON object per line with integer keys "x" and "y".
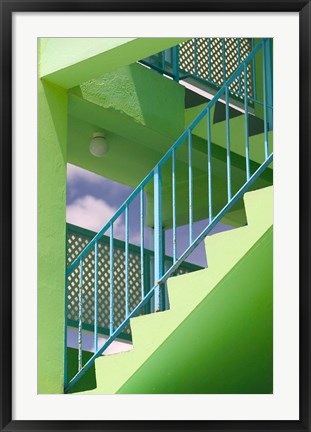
{"x": 216, "y": 61}
{"x": 209, "y": 65}
{"x": 76, "y": 242}
{"x": 237, "y": 87}
{"x": 186, "y": 56}
{"x": 203, "y": 67}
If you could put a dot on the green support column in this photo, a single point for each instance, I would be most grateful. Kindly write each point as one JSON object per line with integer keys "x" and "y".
{"x": 52, "y": 136}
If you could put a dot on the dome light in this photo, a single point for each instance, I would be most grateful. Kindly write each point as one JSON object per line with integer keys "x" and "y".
{"x": 99, "y": 145}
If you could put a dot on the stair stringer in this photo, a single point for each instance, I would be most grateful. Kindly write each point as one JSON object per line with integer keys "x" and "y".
{"x": 225, "y": 250}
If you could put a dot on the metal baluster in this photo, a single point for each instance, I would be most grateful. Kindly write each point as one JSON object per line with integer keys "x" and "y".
{"x": 228, "y": 145}
{"x": 254, "y": 73}
{"x": 239, "y": 60}
{"x": 158, "y": 246}
{"x": 171, "y": 59}
{"x": 142, "y": 242}
{"x": 126, "y": 261}
{"x": 80, "y": 317}
{"x": 174, "y": 204}
{"x": 190, "y": 186}
{"x": 224, "y": 59}
{"x": 111, "y": 326}
{"x": 209, "y": 166}
{"x": 147, "y": 279}
{"x": 195, "y": 57}
{"x": 96, "y": 296}
{"x": 246, "y": 124}
{"x": 265, "y": 100}
{"x": 65, "y": 334}
{"x": 176, "y": 63}
{"x": 209, "y": 60}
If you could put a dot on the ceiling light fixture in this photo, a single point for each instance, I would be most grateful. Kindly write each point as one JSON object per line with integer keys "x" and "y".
{"x": 99, "y": 145}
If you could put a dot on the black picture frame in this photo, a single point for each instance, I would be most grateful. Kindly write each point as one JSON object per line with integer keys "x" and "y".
{"x": 7, "y": 8}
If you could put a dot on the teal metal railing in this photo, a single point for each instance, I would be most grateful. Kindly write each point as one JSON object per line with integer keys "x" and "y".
{"x": 156, "y": 184}
{"x": 209, "y": 60}
{"x": 77, "y": 239}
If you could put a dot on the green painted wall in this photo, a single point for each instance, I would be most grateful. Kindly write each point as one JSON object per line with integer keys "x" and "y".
{"x": 52, "y": 136}
{"x": 225, "y": 345}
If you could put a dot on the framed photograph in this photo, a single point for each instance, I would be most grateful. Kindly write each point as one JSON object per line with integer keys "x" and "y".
{"x": 155, "y": 215}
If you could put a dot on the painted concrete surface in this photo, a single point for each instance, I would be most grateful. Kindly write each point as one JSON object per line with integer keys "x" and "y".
{"x": 52, "y": 135}
{"x": 141, "y": 94}
{"x": 233, "y": 256}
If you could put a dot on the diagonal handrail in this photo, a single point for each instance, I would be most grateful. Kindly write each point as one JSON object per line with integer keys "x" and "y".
{"x": 160, "y": 276}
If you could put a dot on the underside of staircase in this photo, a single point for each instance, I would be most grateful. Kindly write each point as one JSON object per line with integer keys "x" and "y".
{"x": 217, "y": 336}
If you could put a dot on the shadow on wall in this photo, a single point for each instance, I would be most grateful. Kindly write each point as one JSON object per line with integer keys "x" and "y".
{"x": 88, "y": 381}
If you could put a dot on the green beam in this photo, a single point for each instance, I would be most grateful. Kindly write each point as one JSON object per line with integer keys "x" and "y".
{"x": 69, "y": 62}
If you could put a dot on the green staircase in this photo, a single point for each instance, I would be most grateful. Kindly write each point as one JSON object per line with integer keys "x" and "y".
{"x": 217, "y": 335}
